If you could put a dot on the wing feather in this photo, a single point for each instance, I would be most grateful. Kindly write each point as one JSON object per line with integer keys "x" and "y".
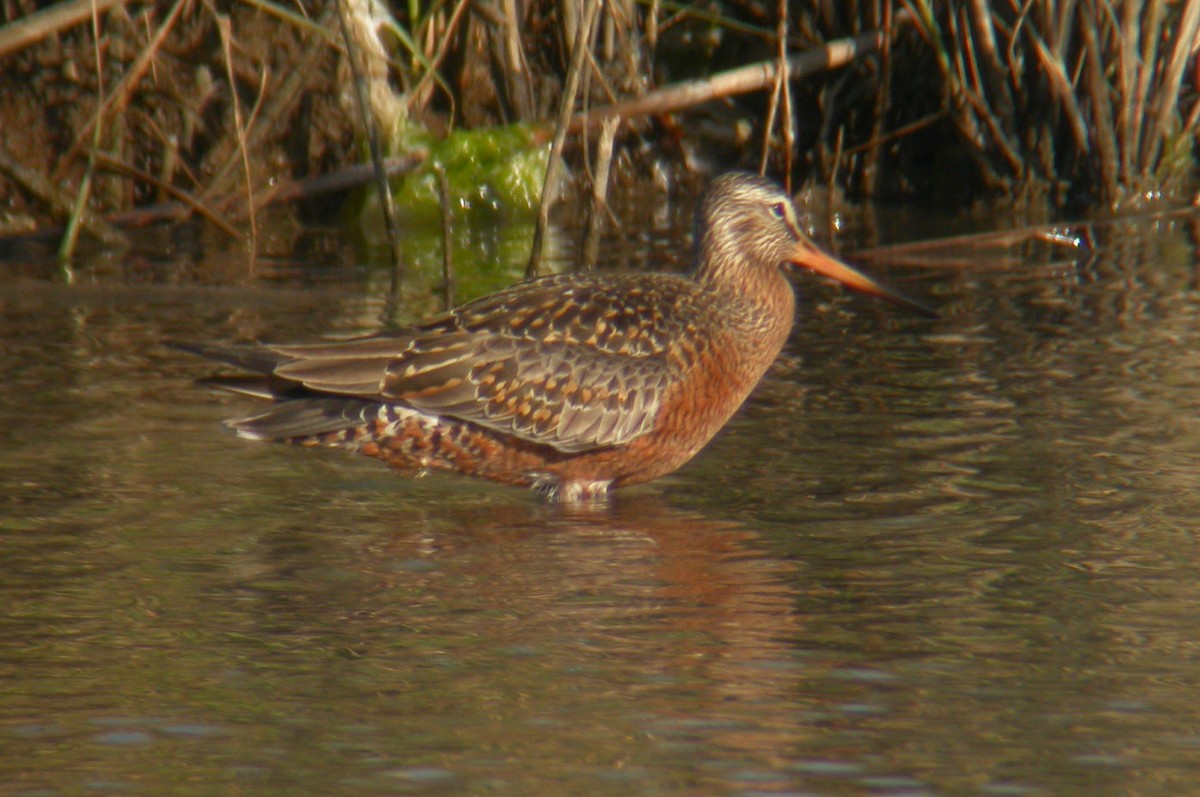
{"x": 561, "y": 361}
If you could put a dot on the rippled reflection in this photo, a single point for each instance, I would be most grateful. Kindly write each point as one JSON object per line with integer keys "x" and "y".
{"x": 947, "y": 557}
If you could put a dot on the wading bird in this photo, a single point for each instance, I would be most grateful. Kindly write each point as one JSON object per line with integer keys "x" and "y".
{"x": 568, "y": 384}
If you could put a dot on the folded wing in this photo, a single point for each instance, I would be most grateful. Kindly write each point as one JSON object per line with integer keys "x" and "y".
{"x": 559, "y": 362}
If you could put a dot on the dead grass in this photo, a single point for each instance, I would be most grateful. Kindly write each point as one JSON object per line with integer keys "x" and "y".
{"x": 201, "y": 104}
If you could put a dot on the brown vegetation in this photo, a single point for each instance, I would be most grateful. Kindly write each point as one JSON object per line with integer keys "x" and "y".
{"x": 212, "y": 106}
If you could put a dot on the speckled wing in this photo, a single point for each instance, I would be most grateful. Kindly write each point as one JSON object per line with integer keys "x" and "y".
{"x": 565, "y": 362}
{"x": 573, "y": 398}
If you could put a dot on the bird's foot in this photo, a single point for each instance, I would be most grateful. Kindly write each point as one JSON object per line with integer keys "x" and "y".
{"x": 554, "y": 490}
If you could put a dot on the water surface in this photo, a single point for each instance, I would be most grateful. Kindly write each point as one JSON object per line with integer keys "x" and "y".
{"x": 945, "y": 557}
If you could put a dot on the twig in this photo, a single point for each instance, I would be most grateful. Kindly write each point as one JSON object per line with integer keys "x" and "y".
{"x": 119, "y": 97}
{"x": 343, "y": 179}
{"x": 976, "y": 97}
{"x": 106, "y": 229}
{"x": 1128, "y": 70}
{"x": 952, "y": 75}
{"x": 1151, "y": 17}
{"x": 872, "y": 166}
{"x": 651, "y": 34}
{"x": 993, "y": 71}
{"x": 447, "y": 238}
{"x": 516, "y": 72}
{"x": 71, "y": 237}
{"x": 30, "y": 29}
{"x": 225, "y": 31}
{"x": 1166, "y": 101}
{"x": 371, "y": 126}
{"x": 781, "y": 95}
{"x": 550, "y": 185}
{"x": 431, "y": 72}
{"x": 186, "y": 200}
{"x": 36, "y": 184}
{"x": 599, "y": 208}
{"x": 1061, "y": 88}
{"x": 752, "y": 77}
{"x": 1102, "y": 117}
{"x": 899, "y": 132}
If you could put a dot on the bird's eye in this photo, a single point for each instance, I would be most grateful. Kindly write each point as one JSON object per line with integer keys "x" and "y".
{"x": 779, "y": 210}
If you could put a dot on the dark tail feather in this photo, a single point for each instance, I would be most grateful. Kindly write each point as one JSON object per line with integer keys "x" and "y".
{"x": 305, "y": 418}
{"x": 260, "y": 360}
{"x": 259, "y": 387}
{"x": 299, "y": 415}
{"x": 251, "y": 357}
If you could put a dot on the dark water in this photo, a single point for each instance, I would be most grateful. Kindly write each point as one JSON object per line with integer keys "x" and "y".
{"x": 952, "y": 557}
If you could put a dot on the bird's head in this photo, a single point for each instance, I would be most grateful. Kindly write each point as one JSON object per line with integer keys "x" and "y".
{"x": 747, "y": 226}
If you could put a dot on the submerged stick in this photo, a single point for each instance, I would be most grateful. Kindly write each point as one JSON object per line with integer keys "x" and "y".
{"x": 1077, "y": 236}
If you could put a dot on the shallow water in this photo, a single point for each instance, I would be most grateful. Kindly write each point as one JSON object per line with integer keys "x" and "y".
{"x": 929, "y": 558}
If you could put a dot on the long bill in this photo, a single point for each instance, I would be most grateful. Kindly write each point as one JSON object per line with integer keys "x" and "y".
{"x": 808, "y": 256}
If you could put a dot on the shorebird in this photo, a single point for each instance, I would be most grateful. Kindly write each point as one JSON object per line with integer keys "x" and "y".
{"x": 568, "y": 384}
